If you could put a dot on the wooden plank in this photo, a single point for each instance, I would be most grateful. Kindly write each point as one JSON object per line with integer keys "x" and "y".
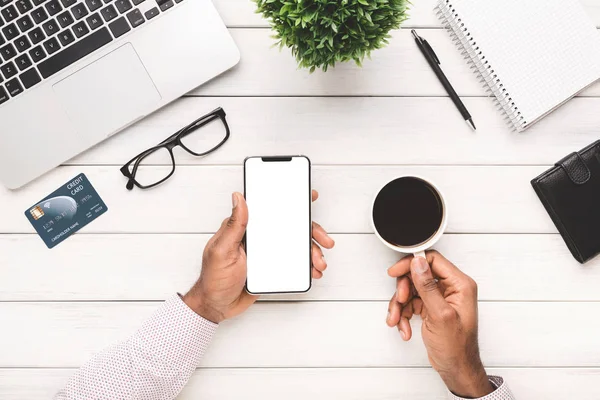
{"x": 362, "y": 131}
{"x": 397, "y": 70}
{"x": 240, "y": 13}
{"x": 197, "y": 199}
{"x": 507, "y": 267}
{"x": 314, "y": 334}
{"x": 326, "y": 383}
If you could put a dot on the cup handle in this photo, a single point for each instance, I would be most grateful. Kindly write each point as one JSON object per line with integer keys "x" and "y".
{"x": 420, "y": 254}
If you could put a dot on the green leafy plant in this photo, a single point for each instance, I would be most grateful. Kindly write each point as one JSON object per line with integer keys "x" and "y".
{"x": 323, "y": 32}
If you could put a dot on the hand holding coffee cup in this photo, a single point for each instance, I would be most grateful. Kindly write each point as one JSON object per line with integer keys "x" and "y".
{"x": 409, "y": 215}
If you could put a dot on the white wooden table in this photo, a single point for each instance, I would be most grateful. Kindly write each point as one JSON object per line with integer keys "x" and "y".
{"x": 361, "y": 127}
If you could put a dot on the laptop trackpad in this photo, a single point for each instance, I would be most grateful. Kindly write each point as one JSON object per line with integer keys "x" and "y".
{"x": 108, "y": 94}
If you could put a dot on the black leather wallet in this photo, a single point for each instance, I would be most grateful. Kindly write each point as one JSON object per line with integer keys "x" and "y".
{"x": 570, "y": 191}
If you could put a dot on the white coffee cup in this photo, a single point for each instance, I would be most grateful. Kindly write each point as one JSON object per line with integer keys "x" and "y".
{"x": 419, "y": 249}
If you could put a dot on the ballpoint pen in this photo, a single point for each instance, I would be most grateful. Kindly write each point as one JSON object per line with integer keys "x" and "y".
{"x": 434, "y": 62}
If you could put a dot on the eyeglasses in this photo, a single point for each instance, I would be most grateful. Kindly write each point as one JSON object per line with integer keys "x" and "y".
{"x": 214, "y": 134}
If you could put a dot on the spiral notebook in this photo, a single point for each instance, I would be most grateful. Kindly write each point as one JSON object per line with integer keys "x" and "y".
{"x": 532, "y": 55}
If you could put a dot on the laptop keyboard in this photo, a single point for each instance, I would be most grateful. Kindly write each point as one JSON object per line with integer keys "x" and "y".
{"x": 39, "y": 38}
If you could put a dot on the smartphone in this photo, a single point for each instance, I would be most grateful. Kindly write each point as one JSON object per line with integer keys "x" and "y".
{"x": 279, "y": 233}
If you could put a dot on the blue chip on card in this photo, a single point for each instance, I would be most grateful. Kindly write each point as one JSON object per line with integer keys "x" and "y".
{"x": 67, "y": 210}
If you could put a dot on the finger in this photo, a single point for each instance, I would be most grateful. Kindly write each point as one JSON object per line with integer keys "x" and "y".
{"x": 405, "y": 329}
{"x": 316, "y": 274}
{"x": 318, "y": 260}
{"x": 401, "y": 268}
{"x": 394, "y": 311}
{"x": 413, "y": 307}
{"x": 321, "y": 236}
{"x": 408, "y": 310}
{"x": 427, "y": 286}
{"x": 441, "y": 267}
{"x": 233, "y": 229}
{"x": 315, "y": 195}
{"x": 403, "y": 290}
{"x": 418, "y": 307}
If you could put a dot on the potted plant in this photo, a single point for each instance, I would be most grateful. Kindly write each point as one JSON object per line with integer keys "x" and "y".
{"x": 321, "y": 33}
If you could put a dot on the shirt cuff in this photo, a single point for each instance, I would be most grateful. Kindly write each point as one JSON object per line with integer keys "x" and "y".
{"x": 176, "y": 334}
{"x": 502, "y": 391}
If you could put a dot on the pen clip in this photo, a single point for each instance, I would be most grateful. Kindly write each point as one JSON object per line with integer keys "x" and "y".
{"x": 430, "y": 50}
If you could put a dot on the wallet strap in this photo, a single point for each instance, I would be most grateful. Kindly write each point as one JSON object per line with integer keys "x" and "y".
{"x": 576, "y": 168}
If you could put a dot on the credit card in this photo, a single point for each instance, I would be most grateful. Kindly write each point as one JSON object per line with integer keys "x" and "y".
{"x": 67, "y": 210}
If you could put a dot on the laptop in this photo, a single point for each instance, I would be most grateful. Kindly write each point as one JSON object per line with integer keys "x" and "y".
{"x": 75, "y": 72}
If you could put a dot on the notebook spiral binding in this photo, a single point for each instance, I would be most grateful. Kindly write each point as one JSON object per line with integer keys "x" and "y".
{"x": 474, "y": 56}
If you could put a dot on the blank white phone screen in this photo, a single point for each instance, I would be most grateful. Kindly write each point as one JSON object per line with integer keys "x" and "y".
{"x": 278, "y": 236}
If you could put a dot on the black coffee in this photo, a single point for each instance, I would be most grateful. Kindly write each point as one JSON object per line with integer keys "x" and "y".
{"x": 408, "y": 212}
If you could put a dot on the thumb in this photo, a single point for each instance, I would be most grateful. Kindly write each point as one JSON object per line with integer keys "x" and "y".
{"x": 234, "y": 227}
{"x": 427, "y": 286}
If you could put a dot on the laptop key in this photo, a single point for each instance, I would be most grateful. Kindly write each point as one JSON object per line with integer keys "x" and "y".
{"x": 8, "y": 52}
{"x": 80, "y": 29}
{"x": 119, "y": 27}
{"x": 23, "y": 62}
{"x": 37, "y": 54}
{"x": 68, "y": 3}
{"x": 22, "y": 44}
{"x": 25, "y": 23}
{"x": 10, "y": 31}
{"x": 94, "y": 21}
{"x": 109, "y": 13}
{"x": 51, "y": 45}
{"x": 123, "y": 6}
{"x": 53, "y": 7}
{"x": 151, "y": 13}
{"x": 66, "y": 37}
{"x": 4, "y": 2}
{"x": 137, "y": 2}
{"x": 36, "y": 35}
{"x": 71, "y": 54}
{"x": 79, "y": 11}
{"x": 135, "y": 18}
{"x": 3, "y": 95}
{"x": 2, "y": 41}
{"x": 30, "y": 78}
{"x": 93, "y": 5}
{"x": 37, "y": 2}
{"x": 65, "y": 19}
{"x": 9, "y": 13}
{"x": 14, "y": 87}
{"x": 50, "y": 27}
{"x": 8, "y": 70}
{"x": 166, "y": 5}
{"x": 39, "y": 15}
{"x": 24, "y": 6}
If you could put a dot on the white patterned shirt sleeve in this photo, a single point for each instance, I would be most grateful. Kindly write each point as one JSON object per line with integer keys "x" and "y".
{"x": 153, "y": 364}
{"x": 159, "y": 359}
{"x": 502, "y": 391}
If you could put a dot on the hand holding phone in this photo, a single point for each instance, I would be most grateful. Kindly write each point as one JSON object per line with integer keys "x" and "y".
{"x": 219, "y": 294}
